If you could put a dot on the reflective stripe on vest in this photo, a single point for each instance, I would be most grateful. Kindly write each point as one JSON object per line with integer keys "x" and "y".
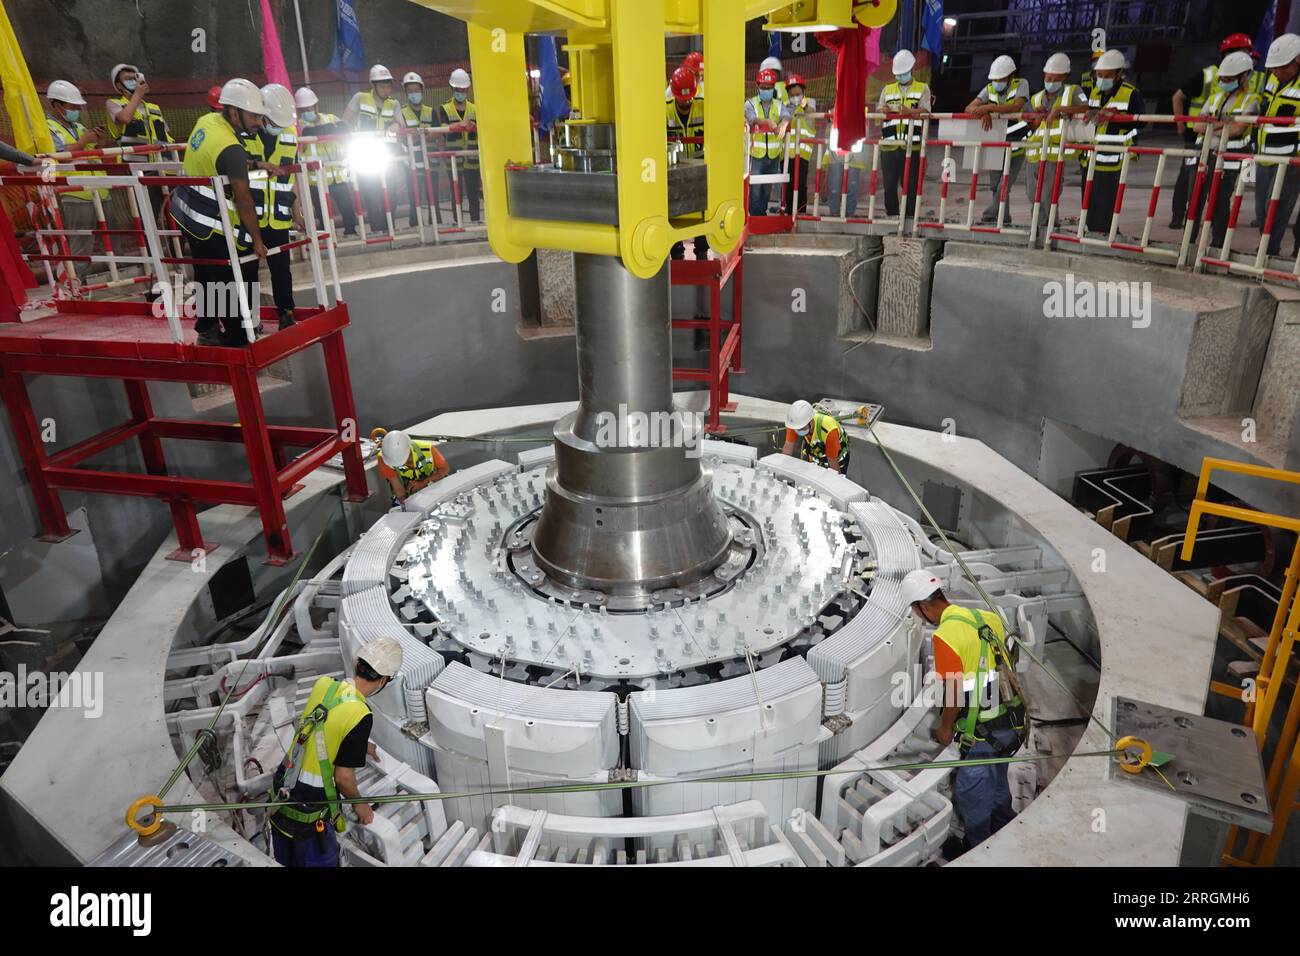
{"x": 1038, "y": 103}
{"x": 958, "y": 629}
{"x": 373, "y": 115}
{"x": 694, "y": 125}
{"x": 330, "y": 153}
{"x": 1109, "y": 144}
{"x": 895, "y": 133}
{"x": 1220, "y": 104}
{"x": 765, "y": 145}
{"x": 1276, "y": 139}
{"x": 801, "y": 124}
{"x": 813, "y": 448}
{"x": 462, "y": 140}
{"x": 279, "y": 193}
{"x": 195, "y": 208}
{"x": 344, "y": 709}
{"x": 411, "y": 120}
{"x": 1017, "y": 128}
{"x": 145, "y": 126}
{"x": 70, "y": 136}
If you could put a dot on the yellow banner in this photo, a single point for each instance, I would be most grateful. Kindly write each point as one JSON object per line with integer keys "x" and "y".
{"x": 30, "y": 132}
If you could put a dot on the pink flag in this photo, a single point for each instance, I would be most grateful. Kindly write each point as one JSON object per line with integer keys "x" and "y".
{"x": 871, "y": 43}
{"x": 272, "y": 58}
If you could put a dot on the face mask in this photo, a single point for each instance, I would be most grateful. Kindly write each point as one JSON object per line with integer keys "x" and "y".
{"x": 796, "y": 99}
{"x": 309, "y": 116}
{"x": 1104, "y": 83}
{"x": 999, "y": 86}
{"x": 72, "y": 115}
{"x": 129, "y": 85}
{"x": 1052, "y": 87}
{"x": 273, "y": 129}
{"x": 903, "y": 78}
{"x": 766, "y": 95}
{"x": 1229, "y": 85}
{"x": 415, "y": 99}
{"x": 460, "y": 96}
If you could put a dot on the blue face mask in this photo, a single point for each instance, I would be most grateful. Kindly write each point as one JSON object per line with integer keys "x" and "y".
{"x": 72, "y": 115}
{"x": 460, "y": 96}
{"x": 1052, "y": 87}
{"x": 903, "y": 78}
{"x": 999, "y": 86}
{"x": 129, "y": 85}
{"x": 1229, "y": 85}
{"x": 766, "y": 95}
{"x": 415, "y": 99}
{"x": 1105, "y": 83}
{"x": 309, "y": 116}
{"x": 272, "y": 128}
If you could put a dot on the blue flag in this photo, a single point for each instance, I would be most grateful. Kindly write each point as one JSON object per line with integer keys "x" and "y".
{"x": 1265, "y": 35}
{"x": 774, "y": 44}
{"x": 554, "y": 105}
{"x": 349, "y": 54}
{"x": 932, "y": 27}
{"x": 906, "y": 24}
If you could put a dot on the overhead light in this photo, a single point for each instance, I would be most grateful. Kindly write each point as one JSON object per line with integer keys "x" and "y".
{"x": 535, "y": 73}
{"x": 368, "y": 155}
{"x": 950, "y": 23}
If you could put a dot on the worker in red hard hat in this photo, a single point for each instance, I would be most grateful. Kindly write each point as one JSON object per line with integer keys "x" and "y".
{"x": 685, "y": 115}
{"x": 767, "y": 118}
{"x": 214, "y": 98}
{"x": 803, "y": 129}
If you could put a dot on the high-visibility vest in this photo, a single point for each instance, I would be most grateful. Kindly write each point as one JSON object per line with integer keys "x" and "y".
{"x": 801, "y": 124}
{"x": 1017, "y": 128}
{"x": 693, "y": 126}
{"x": 411, "y": 119}
{"x": 959, "y": 628}
{"x": 257, "y": 178}
{"x": 145, "y": 126}
{"x": 332, "y": 711}
{"x": 895, "y": 133}
{"x": 766, "y": 145}
{"x": 276, "y": 209}
{"x": 1109, "y": 145}
{"x": 1276, "y": 139}
{"x": 373, "y": 116}
{"x": 330, "y": 153}
{"x": 1236, "y": 103}
{"x": 1256, "y": 83}
{"x": 813, "y": 448}
{"x": 463, "y": 140}
{"x": 64, "y": 137}
{"x": 195, "y": 208}
{"x": 423, "y": 467}
{"x": 1039, "y": 103}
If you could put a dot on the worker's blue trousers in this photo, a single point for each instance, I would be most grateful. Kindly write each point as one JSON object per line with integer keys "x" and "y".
{"x": 311, "y": 850}
{"x": 981, "y": 794}
{"x": 759, "y": 192}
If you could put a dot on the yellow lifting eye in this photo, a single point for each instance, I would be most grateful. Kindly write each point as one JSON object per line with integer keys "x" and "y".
{"x": 1130, "y": 764}
{"x": 133, "y": 815}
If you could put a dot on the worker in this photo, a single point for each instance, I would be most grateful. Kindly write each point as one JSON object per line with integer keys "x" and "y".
{"x": 1005, "y": 92}
{"x": 331, "y": 740}
{"x": 906, "y": 98}
{"x": 835, "y": 164}
{"x": 685, "y": 119}
{"x": 215, "y": 149}
{"x": 78, "y": 206}
{"x": 416, "y": 114}
{"x": 372, "y": 113}
{"x": 459, "y": 113}
{"x": 693, "y": 61}
{"x": 214, "y": 98}
{"x": 1112, "y": 96}
{"x": 767, "y": 119}
{"x": 422, "y": 465}
{"x": 1232, "y": 96}
{"x": 821, "y": 439}
{"x": 1279, "y": 141}
{"x": 779, "y": 85}
{"x": 969, "y": 650}
{"x": 134, "y": 121}
{"x": 281, "y": 209}
{"x": 801, "y": 150}
{"x": 1089, "y": 79}
{"x": 1059, "y": 99}
{"x": 314, "y": 121}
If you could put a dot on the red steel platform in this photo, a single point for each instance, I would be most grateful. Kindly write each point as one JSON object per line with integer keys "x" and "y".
{"x": 127, "y": 341}
{"x": 724, "y": 334}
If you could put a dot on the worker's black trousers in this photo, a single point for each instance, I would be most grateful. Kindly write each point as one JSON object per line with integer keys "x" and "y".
{"x": 1222, "y": 206}
{"x": 372, "y": 198}
{"x": 1183, "y": 186}
{"x": 218, "y": 302}
{"x": 279, "y": 266}
{"x": 471, "y": 186}
{"x": 892, "y": 162}
{"x": 798, "y": 177}
{"x": 342, "y": 200}
{"x": 1101, "y": 203}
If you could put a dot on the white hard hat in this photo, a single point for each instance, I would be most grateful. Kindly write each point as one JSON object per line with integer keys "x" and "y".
{"x": 64, "y": 92}
{"x": 243, "y": 94}
{"x": 383, "y": 654}
{"x": 1282, "y": 50}
{"x": 459, "y": 80}
{"x": 379, "y": 72}
{"x": 799, "y": 415}
{"x": 919, "y": 585}
{"x": 305, "y": 97}
{"x": 279, "y": 104}
{"x": 903, "y": 61}
{"x": 1057, "y": 63}
{"x": 396, "y": 448}
{"x": 1002, "y": 67}
{"x": 771, "y": 63}
{"x": 1236, "y": 63}
{"x": 112, "y": 76}
{"x": 412, "y": 77}
{"x": 1111, "y": 60}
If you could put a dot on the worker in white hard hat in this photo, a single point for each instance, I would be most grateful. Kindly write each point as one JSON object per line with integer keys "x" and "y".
{"x": 1005, "y": 92}
{"x": 1277, "y": 141}
{"x": 421, "y": 183}
{"x": 135, "y": 121}
{"x": 77, "y": 207}
{"x": 408, "y": 465}
{"x": 271, "y": 151}
{"x": 815, "y": 436}
{"x": 215, "y": 149}
{"x": 1232, "y": 96}
{"x": 460, "y": 114}
{"x": 1046, "y": 141}
{"x": 331, "y": 740}
{"x": 778, "y": 87}
{"x": 372, "y": 113}
{"x": 985, "y": 719}
{"x": 313, "y": 121}
{"x": 1112, "y": 98}
{"x": 900, "y": 135}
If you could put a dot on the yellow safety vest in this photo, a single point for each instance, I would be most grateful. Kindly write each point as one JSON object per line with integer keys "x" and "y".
{"x": 463, "y": 140}
{"x": 349, "y": 709}
{"x": 423, "y": 467}
{"x": 62, "y": 134}
{"x": 146, "y": 126}
{"x": 410, "y": 119}
{"x": 1016, "y": 128}
{"x": 801, "y": 124}
{"x": 694, "y": 125}
{"x": 1277, "y": 139}
{"x": 195, "y": 208}
{"x": 813, "y": 448}
{"x": 1109, "y": 145}
{"x": 957, "y": 629}
{"x": 1236, "y": 103}
{"x": 1039, "y": 103}
{"x": 372, "y": 115}
{"x": 274, "y": 198}
{"x": 766, "y": 145}
{"x": 1256, "y": 83}
{"x": 895, "y": 133}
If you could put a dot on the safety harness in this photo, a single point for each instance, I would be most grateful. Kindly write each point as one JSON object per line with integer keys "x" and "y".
{"x": 311, "y": 727}
{"x": 1008, "y": 713}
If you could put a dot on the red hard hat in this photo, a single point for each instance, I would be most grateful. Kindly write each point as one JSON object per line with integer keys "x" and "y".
{"x": 214, "y": 97}
{"x": 794, "y": 79}
{"x": 684, "y": 83}
{"x": 694, "y": 61}
{"x": 1236, "y": 41}
{"x": 766, "y": 78}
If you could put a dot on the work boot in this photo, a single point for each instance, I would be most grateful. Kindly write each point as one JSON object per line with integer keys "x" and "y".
{"x": 1177, "y": 223}
{"x": 287, "y": 319}
{"x": 210, "y": 337}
